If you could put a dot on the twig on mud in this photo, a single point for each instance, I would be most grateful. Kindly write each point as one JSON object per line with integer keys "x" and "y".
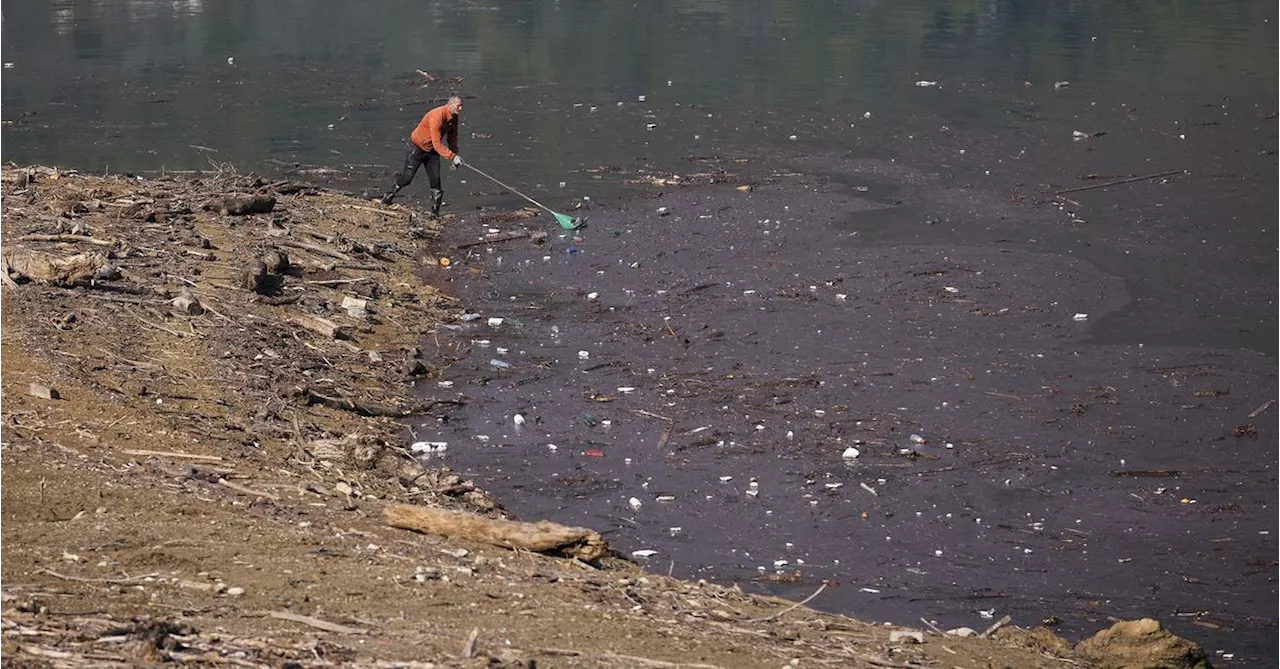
{"x": 316, "y": 623}
{"x": 247, "y": 491}
{"x": 384, "y": 212}
{"x": 1121, "y": 181}
{"x": 335, "y": 282}
{"x": 171, "y": 454}
{"x": 650, "y": 414}
{"x": 81, "y": 579}
{"x": 649, "y": 662}
{"x": 1264, "y": 407}
{"x": 161, "y": 327}
{"x": 67, "y": 238}
{"x": 318, "y": 250}
{"x": 995, "y": 626}
{"x": 797, "y": 605}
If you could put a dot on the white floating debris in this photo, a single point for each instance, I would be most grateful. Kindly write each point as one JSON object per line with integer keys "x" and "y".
{"x": 841, "y": 296}
{"x": 495, "y": 322}
{"x": 625, "y": 390}
{"x": 429, "y": 446}
{"x": 926, "y": 84}
{"x": 951, "y": 289}
{"x": 833, "y": 486}
{"x": 1059, "y": 85}
{"x": 665, "y": 498}
{"x": 675, "y": 530}
{"x": 869, "y": 489}
{"x": 592, "y": 296}
{"x": 517, "y": 419}
{"x": 870, "y": 590}
{"x": 584, "y": 354}
{"x": 445, "y": 384}
{"x": 552, "y": 447}
{"x": 850, "y": 453}
{"x": 866, "y": 114}
{"x": 634, "y": 503}
{"x": 644, "y": 553}
{"x": 640, "y": 98}
{"x": 780, "y": 563}
{"x": 726, "y": 479}
{"x": 1080, "y": 317}
{"x": 1076, "y": 135}
{"x": 792, "y": 138}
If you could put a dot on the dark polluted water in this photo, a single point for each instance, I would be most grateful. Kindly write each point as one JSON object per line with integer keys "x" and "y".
{"x": 916, "y": 256}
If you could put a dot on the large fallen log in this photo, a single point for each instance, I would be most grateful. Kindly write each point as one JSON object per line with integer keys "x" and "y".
{"x": 49, "y": 268}
{"x": 541, "y": 537}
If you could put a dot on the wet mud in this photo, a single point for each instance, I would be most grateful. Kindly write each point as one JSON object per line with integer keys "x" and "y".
{"x": 693, "y": 372}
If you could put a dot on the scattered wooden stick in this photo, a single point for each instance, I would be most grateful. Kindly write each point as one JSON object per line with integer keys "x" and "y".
{"x": 247, "y": 491}
{"x": 81, "y": 579}
{"x": 658, "y": 664}
{"x": 371, "y": 410}
{"x": 336, "y": 282}
{"x": 384, "y": 212}
{"x": 171, "y": 454}
{"x": 493, "y": 240}
{"x": 318, "y": 250}
{"x": 797, "y": 605}
{"x": 1121, "y": 181}
{"x": 67, "y": 238}
{"x": 650, "y": 414}
{"x": 46, "y": 652}
{"x": 997, "y": 625}
{"x": 161, "y": 327}
{"x": 1259, "y": 410}
{"x": 316, "y": 623}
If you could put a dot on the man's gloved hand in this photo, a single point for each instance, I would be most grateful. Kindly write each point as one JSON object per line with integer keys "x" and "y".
{"x": 457, "y": 160}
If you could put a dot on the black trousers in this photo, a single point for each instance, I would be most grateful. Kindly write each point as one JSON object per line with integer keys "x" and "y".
{"x": 414, "y": 158}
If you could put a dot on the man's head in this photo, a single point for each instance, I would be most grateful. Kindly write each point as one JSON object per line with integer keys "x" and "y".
{"x": 455, "y": 104}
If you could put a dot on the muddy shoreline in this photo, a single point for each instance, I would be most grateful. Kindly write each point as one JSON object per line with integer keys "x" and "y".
{"x": 711, "y": 352}
{"x": 201, "y": 449}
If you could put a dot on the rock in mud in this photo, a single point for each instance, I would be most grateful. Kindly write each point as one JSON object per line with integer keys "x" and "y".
{"x": 1142, "y": 644}
{"x": 244, "y": 205}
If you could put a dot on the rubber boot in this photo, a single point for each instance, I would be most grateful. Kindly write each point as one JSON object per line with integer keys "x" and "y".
{"x": 437, "y": 199}
{"x": 391, "y": 195}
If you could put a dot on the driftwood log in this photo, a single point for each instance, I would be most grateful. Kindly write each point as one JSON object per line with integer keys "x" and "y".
{"x": 542, "y": 537}
{"x": 52, "y": 269}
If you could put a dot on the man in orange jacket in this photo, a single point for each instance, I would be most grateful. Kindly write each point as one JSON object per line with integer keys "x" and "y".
{"x": 435, "y": 137}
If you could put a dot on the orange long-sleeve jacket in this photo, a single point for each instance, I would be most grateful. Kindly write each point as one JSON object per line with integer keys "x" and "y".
{"x": 437, "y": 130}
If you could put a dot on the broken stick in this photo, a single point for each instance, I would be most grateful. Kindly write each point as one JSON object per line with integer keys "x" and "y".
{"x": 316, "y": 623}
